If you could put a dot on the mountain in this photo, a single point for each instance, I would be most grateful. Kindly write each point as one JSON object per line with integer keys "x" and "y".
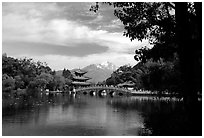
{"x": 99, "y": 72}
{"x": 107, "y": 66}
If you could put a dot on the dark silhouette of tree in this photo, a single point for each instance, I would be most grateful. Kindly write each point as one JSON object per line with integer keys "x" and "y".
{"x": 67, "y": 74}
{"x": 155, "y": 76}
{"x": 173, "y": 29}
{"x": 148, "y": 20}
{"x": 188, "y": 36}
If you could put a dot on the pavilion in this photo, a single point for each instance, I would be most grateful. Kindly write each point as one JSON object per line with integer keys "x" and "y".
{"x": 79, "y": 80}
{"x": 127, "y": 84}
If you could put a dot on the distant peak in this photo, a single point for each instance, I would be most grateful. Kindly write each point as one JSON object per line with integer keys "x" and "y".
{"x": 104, "y": 66}
{"x": 106, "y": 63}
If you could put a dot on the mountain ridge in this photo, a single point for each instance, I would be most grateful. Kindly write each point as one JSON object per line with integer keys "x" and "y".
{"x": 97, "y": 72}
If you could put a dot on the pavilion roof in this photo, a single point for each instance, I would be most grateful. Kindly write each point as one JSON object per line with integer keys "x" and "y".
{"x": 126, "y": 84}
{"x": 80, "y": 71}
{"x": 80, "y": 83}
{"x": 81, "y": 78}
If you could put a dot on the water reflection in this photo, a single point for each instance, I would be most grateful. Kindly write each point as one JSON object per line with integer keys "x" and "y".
{"x": 72, "y": 114}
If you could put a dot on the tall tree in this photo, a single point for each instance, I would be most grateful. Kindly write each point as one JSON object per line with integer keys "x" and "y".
{"x": 67, "y": 74}
{"x": 171, "y": 28}
{"x": 188, "y": 34}
{"x": 8, "y": 83}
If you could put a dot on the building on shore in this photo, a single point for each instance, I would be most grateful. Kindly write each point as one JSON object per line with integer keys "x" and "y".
{"x": 79, "y": 80}
{"x": 129, "y": 85}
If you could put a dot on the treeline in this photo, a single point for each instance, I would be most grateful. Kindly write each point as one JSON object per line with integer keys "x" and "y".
{"x": 152, "y": 75}
{"x": 25, "y": 74}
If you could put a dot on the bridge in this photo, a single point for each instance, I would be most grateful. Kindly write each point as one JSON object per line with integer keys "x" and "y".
{"x": 103, "y": 90}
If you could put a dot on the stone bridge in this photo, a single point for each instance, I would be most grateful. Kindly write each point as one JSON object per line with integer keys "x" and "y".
{"x": 103, "y": 90}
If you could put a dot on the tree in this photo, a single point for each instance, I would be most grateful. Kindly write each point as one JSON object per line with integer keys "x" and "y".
{"x": 148, "y": 20}
{"x": 26, "y": 72}
{"x": 67, "y": 74}
{"x": 171, "y": 28}
{"x": 41, "y": 81}
{"x": 8, "y": 83}
{"x": 19, "y": 83}
{"x": 10, "y": 66}
{"x": 42, "y": 68}
{"x": 161, "y": 76}
{"x": 188, "y": 34}
{"x": 122, "y": 74}
{"x": 59, "y": 82}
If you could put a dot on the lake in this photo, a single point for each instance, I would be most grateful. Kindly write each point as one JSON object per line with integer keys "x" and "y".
{"x": 86, "y": 115}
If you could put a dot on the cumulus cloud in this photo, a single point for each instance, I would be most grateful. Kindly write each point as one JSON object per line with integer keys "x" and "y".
{"x": 115, "y": 23}
{"x": 59, "y": 31}
{"x": 33, "y": 23}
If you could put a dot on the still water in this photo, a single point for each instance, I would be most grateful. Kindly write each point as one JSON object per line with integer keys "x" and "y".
{"x": 70, "y": 115}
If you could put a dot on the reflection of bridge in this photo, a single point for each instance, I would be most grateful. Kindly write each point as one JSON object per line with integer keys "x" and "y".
{"x": 103, "y": 90}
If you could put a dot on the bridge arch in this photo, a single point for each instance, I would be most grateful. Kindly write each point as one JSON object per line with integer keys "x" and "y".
{"x": 120, "y": 93}
{"x": 112, "y": 93}
{"x": 104, "y": 90}
{"x": 85, "y": 92}
{"x": 92, "y": 92}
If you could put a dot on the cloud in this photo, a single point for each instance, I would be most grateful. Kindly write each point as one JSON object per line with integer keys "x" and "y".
{"x": 40, "y": 49}
{"x": 116, "y": 23}
{"x": 33, "y": 9}
{"x": 58, "y": 62}
{"x": 60, "y": 32}
{"x": 61, "y": 25}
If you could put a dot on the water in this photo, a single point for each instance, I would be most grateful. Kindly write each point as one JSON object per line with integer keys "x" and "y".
{"x": 70, "y": 115}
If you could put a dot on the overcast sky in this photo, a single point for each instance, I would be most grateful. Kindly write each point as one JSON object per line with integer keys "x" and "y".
{"x": 65, "y": 35}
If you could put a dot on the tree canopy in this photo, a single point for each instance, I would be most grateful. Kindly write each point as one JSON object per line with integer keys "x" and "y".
{"x": 27, "y": 74}
{"x": 172, "y": 28}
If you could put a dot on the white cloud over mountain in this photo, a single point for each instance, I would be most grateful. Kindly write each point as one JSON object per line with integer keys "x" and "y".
{"x": 59, "y": 62}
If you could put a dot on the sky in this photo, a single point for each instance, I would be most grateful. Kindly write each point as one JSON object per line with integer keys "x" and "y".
{"x": 65, "y": 34}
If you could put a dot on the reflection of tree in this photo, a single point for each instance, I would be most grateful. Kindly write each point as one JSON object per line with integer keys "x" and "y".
{"x": 162, "y": 117}
{"x": 24, "y": 109}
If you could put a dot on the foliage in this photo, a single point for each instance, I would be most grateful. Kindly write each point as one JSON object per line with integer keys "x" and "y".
{"x": 27, "y": 74}
{"x": 155, "y": 21}
{"x": 148, "y": 20}
{"x": 59, "y": 82}
{"x": 42, "y": 80}
{"x": 8, "y": 83}
{"x": 172, "y": 29}
{"x": 154, "y": 76}
{"x": 122, "y": 74}
{"x": 67, "y": 74}
{"x": 19, "y": 83}
{"x": 162, "y": 76}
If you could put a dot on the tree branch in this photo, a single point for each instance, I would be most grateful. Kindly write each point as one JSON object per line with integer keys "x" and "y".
{"x": 172, "y": 5}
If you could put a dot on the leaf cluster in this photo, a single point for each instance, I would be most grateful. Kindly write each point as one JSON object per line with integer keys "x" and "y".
{"x": 27, "y": 74}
